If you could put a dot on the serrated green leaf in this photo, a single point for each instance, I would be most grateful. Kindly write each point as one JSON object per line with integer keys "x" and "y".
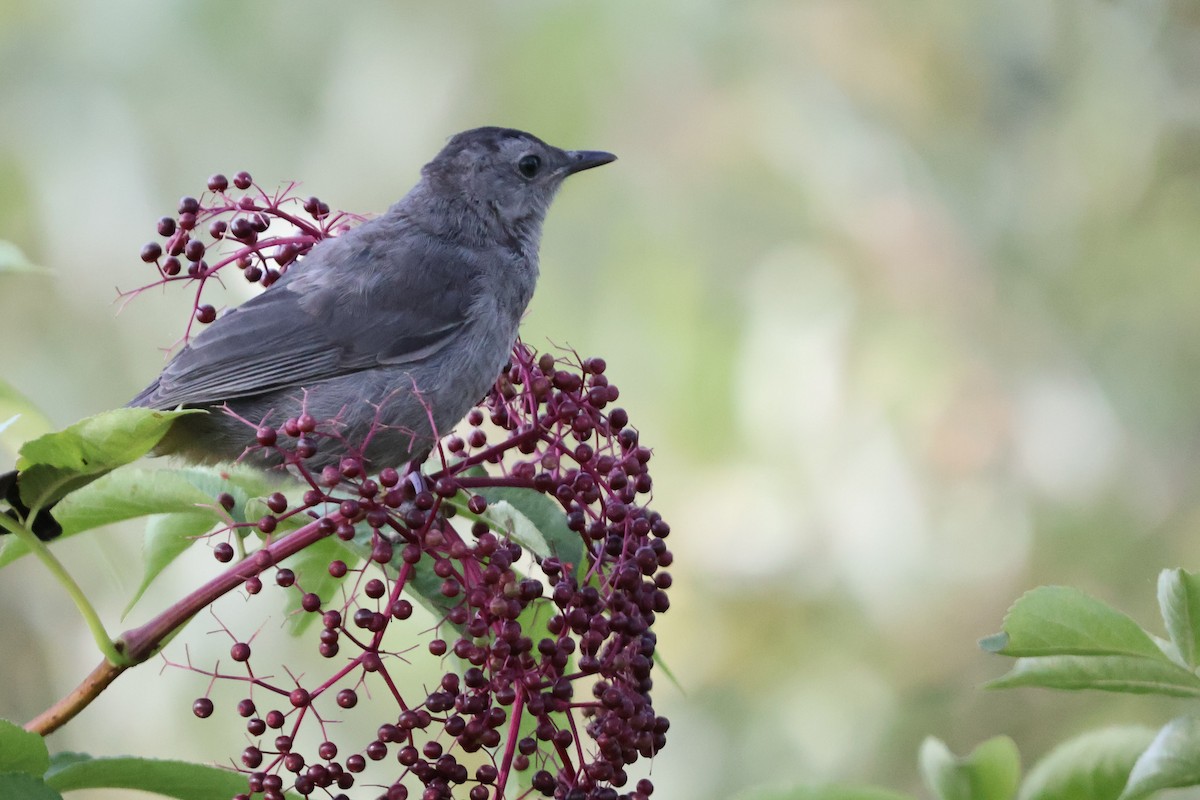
{"x": 13, "y": 259}
{"x": 178, "y": 779}
{"x": 240, "y": 482}
{"x": 20, "y": 786}
{"x": 167, "y": 537}
{"x": 539, "y": 523}
{"x": 821, "y": 793}
{"x": 66, "y": 757}
{"x": 1171, "y": 761}
{"x": 131, "y": 492}
{"x": 990, "y": 772}
{"x": 56, "y": 464}
{"x": 1060, "y": 620}
{"x": 110, "y": 438}
{"x": 1128, "y": 674}
{"x": 22, "y": 751}
{"x": 1179, "y": 603}
{"x": 1093, "y": 766}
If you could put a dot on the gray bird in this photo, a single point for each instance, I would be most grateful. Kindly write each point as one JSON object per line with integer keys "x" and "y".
{"x": 399, "y": 325}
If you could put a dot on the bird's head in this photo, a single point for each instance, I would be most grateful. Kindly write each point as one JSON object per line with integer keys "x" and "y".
{"x": 505, "y": 174}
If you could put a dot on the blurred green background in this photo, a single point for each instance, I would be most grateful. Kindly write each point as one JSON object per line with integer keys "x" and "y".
{"x": 903, "y": 294}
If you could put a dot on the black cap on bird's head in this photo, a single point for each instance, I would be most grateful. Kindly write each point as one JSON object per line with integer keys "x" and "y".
{"x": 512, "y": 172}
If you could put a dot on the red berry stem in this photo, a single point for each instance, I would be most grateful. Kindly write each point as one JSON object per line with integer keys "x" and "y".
{"x": 510, "y": 744}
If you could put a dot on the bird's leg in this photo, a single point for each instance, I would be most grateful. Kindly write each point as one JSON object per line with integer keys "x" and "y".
{"x": 415, "y": 477}
{"x": 413, "y": 474}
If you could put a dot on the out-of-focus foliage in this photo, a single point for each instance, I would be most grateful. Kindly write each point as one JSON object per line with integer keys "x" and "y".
{"x": 904, "y": 296}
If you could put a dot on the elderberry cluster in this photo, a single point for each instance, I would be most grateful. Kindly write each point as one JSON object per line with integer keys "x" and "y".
{"x": 230, "y": 224}
{"x": 530, "y": 535}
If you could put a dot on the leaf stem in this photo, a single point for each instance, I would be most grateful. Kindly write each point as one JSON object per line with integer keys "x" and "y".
{"x": 104, "y": 642}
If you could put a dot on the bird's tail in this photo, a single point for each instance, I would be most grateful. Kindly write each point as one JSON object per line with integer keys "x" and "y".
{"x": 44, "y": 526}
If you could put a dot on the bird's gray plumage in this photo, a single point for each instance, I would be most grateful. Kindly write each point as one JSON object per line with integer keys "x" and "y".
{"x": 398, "y": 326}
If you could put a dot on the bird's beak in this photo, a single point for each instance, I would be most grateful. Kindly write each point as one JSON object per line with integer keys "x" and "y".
{"x": 579, "y": 160}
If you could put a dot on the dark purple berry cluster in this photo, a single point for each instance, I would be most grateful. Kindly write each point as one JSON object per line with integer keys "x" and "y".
{"x": 549, "y": 690}
{"x": 232, "y": 223}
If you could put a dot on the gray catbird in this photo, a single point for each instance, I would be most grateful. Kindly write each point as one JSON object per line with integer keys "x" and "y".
{"x": 395, "y": 328}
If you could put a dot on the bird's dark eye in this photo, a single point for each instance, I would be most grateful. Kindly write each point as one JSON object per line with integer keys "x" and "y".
{"x": 529, "y": 166}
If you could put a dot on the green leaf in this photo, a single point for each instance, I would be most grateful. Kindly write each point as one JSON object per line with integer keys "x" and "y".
{"x": 179, "y": 779}
{"x": 167, "y": 537}
{"x": 20, "y": 786}
{"x": 132, "y": 492}
{"x": 56, "y": 464}
{"x": 518, "y": 527}
{"x": 990, "y": 772}
{"x": 1171, "y": 761}
{"x": 20, "y": 420}
{"x": 256, "y": 508}
{"x": 534, "y": 521}
{"x": 12, "y": 259}
{"x": 821, "y": 793}
{"x": 1179, "y": 602}
{"x": 996, "y": 769}
{"x": 242, "y": 483}
{"x": 67, "y": 757}
{"x": 22, "y": 751}
{"x": 125, "y": 494}
{"x": 1106, "y": 673}
{"x": 1059, "y": 620}
{"x": 1093, "y": 766}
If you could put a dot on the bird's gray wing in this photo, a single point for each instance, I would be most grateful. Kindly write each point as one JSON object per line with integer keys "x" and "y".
{"x": 357, "y": 306}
